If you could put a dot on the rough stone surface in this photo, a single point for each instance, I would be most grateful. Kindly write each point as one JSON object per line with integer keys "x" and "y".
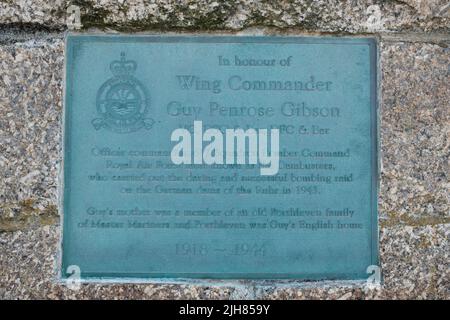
{"x": 30, "y": 127}
{"x": 415, "y": 133}
{"x": 317, "y": 16}
{"x": 414, "y": 197}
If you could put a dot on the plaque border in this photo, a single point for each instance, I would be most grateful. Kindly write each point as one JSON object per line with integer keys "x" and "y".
{"x": 75, "y": 40}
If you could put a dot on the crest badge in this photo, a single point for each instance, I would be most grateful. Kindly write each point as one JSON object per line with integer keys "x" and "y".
{"x": 122, "y": 101}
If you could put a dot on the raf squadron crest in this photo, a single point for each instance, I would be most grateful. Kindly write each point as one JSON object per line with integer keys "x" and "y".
{"x": 122, "y": 101}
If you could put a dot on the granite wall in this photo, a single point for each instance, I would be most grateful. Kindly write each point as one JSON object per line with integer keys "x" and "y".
{"x": 414, "y": 203}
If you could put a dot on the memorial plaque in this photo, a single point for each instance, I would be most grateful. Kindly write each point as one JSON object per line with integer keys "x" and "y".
{"x": 220, "y": 157}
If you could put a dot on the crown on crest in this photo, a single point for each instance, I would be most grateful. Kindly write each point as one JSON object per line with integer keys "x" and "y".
{"x": 122, "y": 67}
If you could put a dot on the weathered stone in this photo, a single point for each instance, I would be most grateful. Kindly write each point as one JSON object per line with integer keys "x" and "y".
{"x": 415, "y": 132}
{"x": 430, "y": 8}
{"x": 30, "y": 128}
{"x": 316, "y": 16}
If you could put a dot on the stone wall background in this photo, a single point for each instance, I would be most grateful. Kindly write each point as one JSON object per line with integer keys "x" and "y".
{"x": 414, "y": 203}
